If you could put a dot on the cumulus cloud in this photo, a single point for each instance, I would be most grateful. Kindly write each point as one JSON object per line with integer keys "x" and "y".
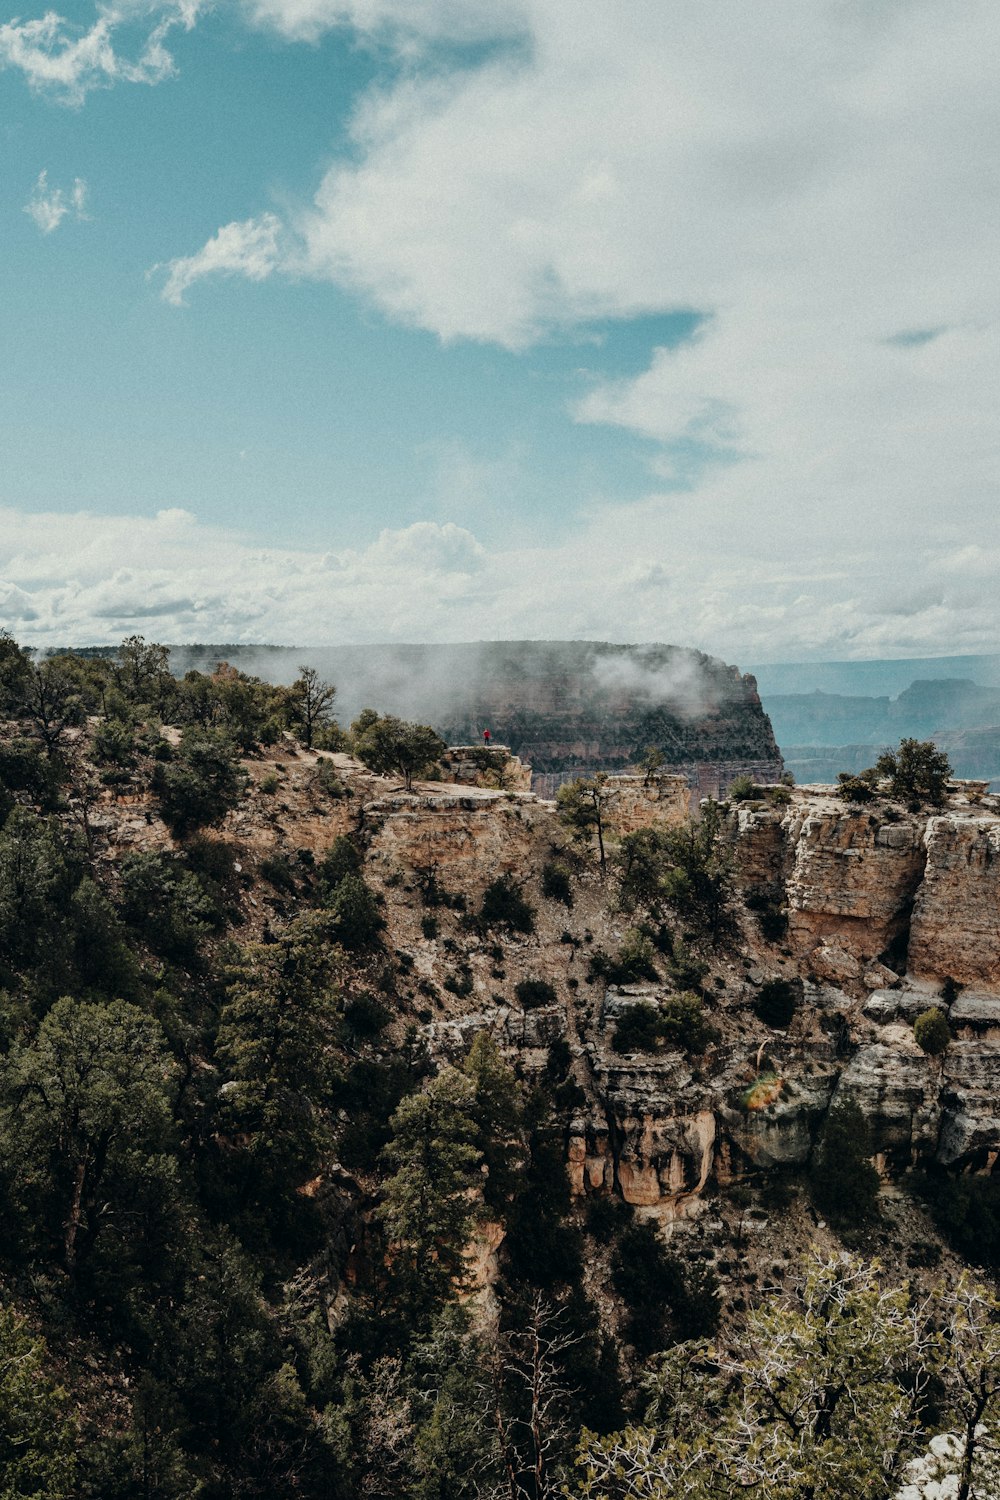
{"x": 60, "y": 59}
{"x": 252, "y": 248}
{"x": 48, "y": 206}
{"x": 403, "y": 23}
{"x": 819, "y": 183}
{"x": 90, "y": 578}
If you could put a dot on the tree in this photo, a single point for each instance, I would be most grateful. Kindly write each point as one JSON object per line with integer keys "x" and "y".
{"x": 202, "y": 784}
{"x": 915, "y": 771}
{"x": 969, "y": 1319}
{"x": 37, "y": 1434}
{"x": 428, "y": 1209}
{"x": 356, "y": 911}
{"x": 389, "y": 744}
{"x": 651, "y": 765}
{"x": 582, "y": 806}
{"x": 52, "y": 703}
{"x": 311, "y": 702}
{"x": 15, "y": 672}
{"x": 698, "y": 870}
{"x": 142, "y": 671}
{"x": 819, "y": 1397}
{"x": 931, "y": 1032}
{"x": 86, "y": 1105}
{"x": 529, "y": 1401}
{"x": 274, "y": 1044}
{"x": 842, "y": 1179}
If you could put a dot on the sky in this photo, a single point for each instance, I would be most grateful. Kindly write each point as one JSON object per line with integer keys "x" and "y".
{"x": 359, "y": 320}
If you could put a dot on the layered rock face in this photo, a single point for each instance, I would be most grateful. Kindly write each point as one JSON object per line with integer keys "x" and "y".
{"x": 861, "y": 888}
{"x": 956, "y": 918}
{"x": 881, "y": 906}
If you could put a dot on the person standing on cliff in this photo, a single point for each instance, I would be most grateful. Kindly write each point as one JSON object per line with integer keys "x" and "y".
{"x": 486, "y": 736}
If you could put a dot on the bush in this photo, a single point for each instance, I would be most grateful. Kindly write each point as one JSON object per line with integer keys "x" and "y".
{"x": 269, "y": 784}
{"x": 856, "y": 788}
{"x": 429, "y": 926}
{"x": 638, "y": 1029}
{"x": 202, "y": 784}
{"x": 766, "y": 907}
{"x": 843, "y": 1182}
{"x": 743, "y": 789}
{"x": 776, "y": 1002}
{"x": 167, "y": 904}
{"x": 532, "y": 993}
{"x": 678, "y": 1022}
{"x": 356, "y": 912}
{"x": 504, "y": 905}
{"x": 636, "y": 959}
{"x": 556, "y": 885}
{"x": 327, "y": 780}
{"x": 277, "y": 871}
{"x": 931, "y": 1032}
{"x": 605, "y": 1217}
{"x": 340, "y": 860}
{"x": 683, "y": 1024}
{"x": 113, "y": 744}
{"x": 915, "y": 771}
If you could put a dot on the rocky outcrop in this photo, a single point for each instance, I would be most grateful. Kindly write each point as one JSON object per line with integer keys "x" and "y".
{"x": 956, "y": 917}
{"x": 853, "y": 880}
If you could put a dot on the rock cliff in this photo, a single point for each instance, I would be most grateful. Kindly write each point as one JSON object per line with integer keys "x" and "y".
{"x": 879, "y": 907}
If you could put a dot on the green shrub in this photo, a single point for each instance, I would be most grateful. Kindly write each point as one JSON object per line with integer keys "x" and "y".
{"x": 327, "y": 779}
{"x": 277, "y": 871}
{"x": 504, "y": 905}
{"x": 356, "y": 912}
{"x": 856, "y": 788}
{"x": 460, "y": 984}
{"x": 776, "y": 1002}
{"x": 743, "y": 789}
{"x": 556, "y": 882}
{"x": 366, "y": 1016}
{"x": 269, "y": 784}
{"x": 168, "y": 904}
{"x": 202, "y": 784}
{"x": 766, "y": 907}
{"x": 342, "y": 858}
{"x": 931, "y": 1032}
{"x": 429, "y": 926}
{"x": 683, "y": 1023}
{"x": 532, "y": 993}
{"x": 113, "y": 744}
{"x": 638, "y": 1029}
{"x": 605, "y": 1217}
{"x": 966, "y": 1209}
{"x": 636, "y": 958}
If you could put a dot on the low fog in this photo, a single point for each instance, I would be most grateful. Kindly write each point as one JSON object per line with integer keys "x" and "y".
{"x": 459, "y": 687}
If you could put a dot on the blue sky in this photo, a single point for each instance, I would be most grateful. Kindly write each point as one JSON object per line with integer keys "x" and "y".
{"x": 359, "y": 319}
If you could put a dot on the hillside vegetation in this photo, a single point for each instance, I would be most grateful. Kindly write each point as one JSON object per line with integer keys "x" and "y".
{"x": 366, "y": 1141}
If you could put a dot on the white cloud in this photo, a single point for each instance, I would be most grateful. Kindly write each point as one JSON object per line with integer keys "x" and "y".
{"x": 48, "y": 206}
{"x": 252, "y": 249}
{"x": 65, "y": 62}
{"x": 403, "y": 23}
{"x": 90, "y": 578}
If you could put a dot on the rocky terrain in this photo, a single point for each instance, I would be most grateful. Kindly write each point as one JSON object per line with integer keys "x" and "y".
{"x": 882, "y": 908}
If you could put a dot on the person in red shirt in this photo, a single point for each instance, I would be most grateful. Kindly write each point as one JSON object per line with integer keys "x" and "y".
{"x": 486, "y": 736}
